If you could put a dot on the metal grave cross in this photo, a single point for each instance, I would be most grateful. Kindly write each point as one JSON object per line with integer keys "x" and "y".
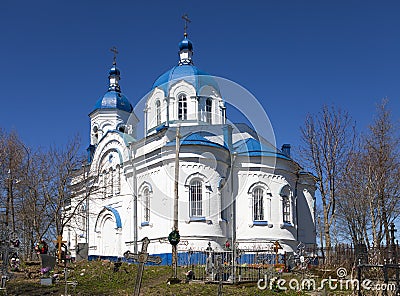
{"x": 143, "y": 257}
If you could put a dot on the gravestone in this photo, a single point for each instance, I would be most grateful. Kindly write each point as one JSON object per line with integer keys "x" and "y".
{"x": 48, "y": 263}
{"x": 361, "y": 253}
{"x": 82, "y": 252}
{"x": 143, "y": 257}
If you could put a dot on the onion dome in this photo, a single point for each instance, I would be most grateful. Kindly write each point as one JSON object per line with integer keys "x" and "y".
{"x": 185, "y": 71}
{"x": 113, "y": 98}
{"x": 114, "y": 71}
{"x": 186, "y": 44}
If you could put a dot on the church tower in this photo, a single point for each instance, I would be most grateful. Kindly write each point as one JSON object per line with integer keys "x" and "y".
{"x": 184, "y": 95}
{"x": 112, "y": 112}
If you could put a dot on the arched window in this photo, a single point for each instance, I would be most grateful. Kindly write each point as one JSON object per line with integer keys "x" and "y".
{"x": 208, "y": 110}
{"x": 104, "y": 183}
{"x": 195, "y": 199}
{"x": 118, "y": 180}
{"x": 182, "y": 107}
{"x": 110, "y": 182}
{"x": 82, "y": 214}
{"x": 258, "y": 204}
{"x": 286, "y": 194}
{"x": 158, "y": 112}
{"x": 146, "y": 204}
{"x": 286, "y": 209}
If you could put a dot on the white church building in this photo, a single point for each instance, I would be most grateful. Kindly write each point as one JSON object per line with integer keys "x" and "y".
{"x": 232, "y": 184}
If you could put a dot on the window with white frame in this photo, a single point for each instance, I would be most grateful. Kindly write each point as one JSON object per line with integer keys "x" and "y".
{"x": 286, "y": 194}
{"x": 286, "y": 209}
{"x": 195, "y": 199}
{"x": 82, "y": 214}
{"x": 208, "y": 110}
{"x": 182, "y": 107}
{"x": 118, "y": 180}
{"x": 258, "y": 204}
{"x": 104, "y": 183}
{"x": 146, "y": 204}
{"x": 110, "y": 182}
{"x": 158, "y": 112}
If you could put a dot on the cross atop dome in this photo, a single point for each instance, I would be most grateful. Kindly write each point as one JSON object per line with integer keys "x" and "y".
{"x": 115, "y": 51}
{"x": 185, "y": 46}
{"x": 185, "y": 17}
{"x": 114, "y": 74}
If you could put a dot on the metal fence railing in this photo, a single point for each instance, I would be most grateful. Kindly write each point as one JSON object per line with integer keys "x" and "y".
{"x": 250, "y": 265}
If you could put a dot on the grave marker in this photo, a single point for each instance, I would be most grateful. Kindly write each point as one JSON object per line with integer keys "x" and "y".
{"x": 143, "y": 257}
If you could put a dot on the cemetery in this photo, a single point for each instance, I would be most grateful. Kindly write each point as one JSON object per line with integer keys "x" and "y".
{"x": 348, "y": 269}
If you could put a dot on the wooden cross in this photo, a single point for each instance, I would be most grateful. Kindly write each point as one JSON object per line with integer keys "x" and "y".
{"x": 277, "y": 247}
{"x": 59, "y": 242}
{"x": 115, "y": 51}
{"x": 143, "y": 257}
{"x": 185, "y": 17}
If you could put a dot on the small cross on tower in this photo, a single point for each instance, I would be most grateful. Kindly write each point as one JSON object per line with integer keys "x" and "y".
{"x": 185, "y": 17}
{"x": 115, "y": 51}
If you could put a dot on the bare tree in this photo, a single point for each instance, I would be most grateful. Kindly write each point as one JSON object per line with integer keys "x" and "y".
{"x": 383, "y": 171}
{"x": 352, "y": 200}
{"x": 369, "y": 190}
{"x": 36, "y": 188}
{"x": 328, "y": 138}
{"x": 14, "y": 166}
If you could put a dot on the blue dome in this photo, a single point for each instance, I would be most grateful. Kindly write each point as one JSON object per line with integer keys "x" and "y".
{"x": 253, "y": 147}
{"x": 185, "y": 44}
{"x": 191, "y": 74}
{"x": 114, "y": 100}
{"x": 197, "y": 138}
{"x": 114, "y": 71}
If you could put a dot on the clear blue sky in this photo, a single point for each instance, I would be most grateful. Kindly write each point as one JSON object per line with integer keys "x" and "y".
{"x": 293, "y": 56}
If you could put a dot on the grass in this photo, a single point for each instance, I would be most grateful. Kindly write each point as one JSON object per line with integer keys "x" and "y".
{"x": 99, "y": 278}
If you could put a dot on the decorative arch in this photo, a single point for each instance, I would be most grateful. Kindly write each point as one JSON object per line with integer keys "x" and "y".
{"x": 106, "y": 213}
{"x": 200, "y": 176}
{"x": 259, "y": 184}
{"x": 144, "y": 185}
{"x": 182, "y": 86}
{"x": 107, "y": 153}
{"x": 105, "y": 126}
{"x": 286, "y": 191}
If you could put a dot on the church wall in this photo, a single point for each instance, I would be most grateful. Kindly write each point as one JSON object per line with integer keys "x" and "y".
{"x": 251, "y": 232}
{"x": 158, "y": 175}
{"x": 306, "y": 209}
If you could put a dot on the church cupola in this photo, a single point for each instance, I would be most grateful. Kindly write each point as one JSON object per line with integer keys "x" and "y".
{"x": 114, "y": 98}
{"x": 113, "y": 112}
{"x": 185, "y": 51}
{"x": 184, "y": 94}
{"x": 185, "y": 47}
{"x": 114, "y": 75}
